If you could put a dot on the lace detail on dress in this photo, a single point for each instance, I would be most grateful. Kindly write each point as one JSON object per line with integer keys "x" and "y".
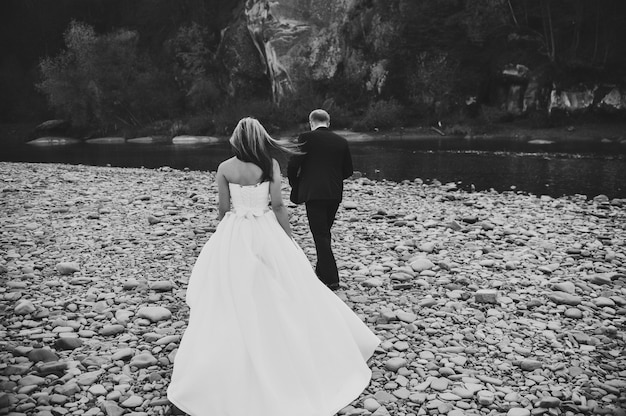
{"x": 250, "y": 200}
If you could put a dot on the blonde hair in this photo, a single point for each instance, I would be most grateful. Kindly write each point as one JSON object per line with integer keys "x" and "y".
{"x": 252, "y": 143}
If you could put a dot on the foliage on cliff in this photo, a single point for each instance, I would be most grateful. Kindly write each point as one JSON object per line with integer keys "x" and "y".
{"x": 201, "y": 64}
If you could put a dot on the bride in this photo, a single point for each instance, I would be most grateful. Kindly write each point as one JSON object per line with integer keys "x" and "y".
{"x": 265, "y": 337}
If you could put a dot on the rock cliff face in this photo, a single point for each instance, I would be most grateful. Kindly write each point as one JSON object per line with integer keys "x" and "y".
{"x": 284, "y": 42}
{"x": 433, "y": 55}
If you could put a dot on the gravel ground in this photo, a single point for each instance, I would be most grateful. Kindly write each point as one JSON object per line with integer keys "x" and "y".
{"x": 487, "y": 303}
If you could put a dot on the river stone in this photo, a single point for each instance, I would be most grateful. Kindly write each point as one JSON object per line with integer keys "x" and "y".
{"x": 530, "y": 365}
{"x": 112, "y": 409}
{"x": 109, "y": 330}
{"x": 428, "y": 247}
{"x": 400, "y": 276}
{"x": 487, "y": 263}
{"x": 66, "y": 268}
{"x": 388, "y": 315}
{"x": 381, "y": 411}
{"x": 162, "y": 286}
{"x": 68, "y": 389}
{"x": 427, "y": 302}
{"x": 470, "y": 219}
{"x": 485, "y": 397}
{"x": 372, "y": 282}
{"x": 564, "y": 298}
{"x": 573, "y": 313}
{"x": 97, "y": 390}
{"x": 68, "y": 343}
{"x": 549, "y": 402}
{"x": 458, "y": 360}
{"x": 53, "y": 367}
{"x": 453, "y": 225}
{"x": 122, "y": 354}
{"x": 123, "y": 316}
{"x": 601, "y": 279}
{"x": 384, "y": 397}
{"x": 89, "y": 378}
{"x": 449, "y": 397}
{"x": 154, "y": 313}
{"x": 602, "y": 302}
{"x": 31, "y": 380}
{"x": 439, "y": 384}
{"x": 17, "y": 285}
{"x": 518, "y": 411}
{"x": 95, "y": 361}
{"x": 407, "y": 317}
{"x": 153, "y": 220}
{"x": 22, "y": 350}
{"x": 132, "y": 402}
{"x": 393, "y": 364}
{"x": 59, "y": 399}
{"x": 143, "y": 360}
{"x": 487, "y": 379}
{"x": 422, "y": 264}
{"x": 567, "y": 287}
{"x": 401, "y": 345}
{"x": 82, "y": 281}
{"x": 402, "y": 393}
{"x": 370, "y": 404}
{"x": 463, "y": 393}
{"x": 24, "y": 307}
{"x": 130, "y": 284}
{"x": 486, "y": 296}
{"x": 17, "y": 369}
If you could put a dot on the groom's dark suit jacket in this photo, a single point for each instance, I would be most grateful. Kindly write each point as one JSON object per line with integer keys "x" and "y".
{"x": 324, "y": 166}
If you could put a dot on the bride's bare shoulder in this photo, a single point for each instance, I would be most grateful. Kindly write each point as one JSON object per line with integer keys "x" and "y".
{"x": 226, "y": 164}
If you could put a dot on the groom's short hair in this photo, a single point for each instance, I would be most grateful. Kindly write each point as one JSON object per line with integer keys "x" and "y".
{"x": 319, "y": 116}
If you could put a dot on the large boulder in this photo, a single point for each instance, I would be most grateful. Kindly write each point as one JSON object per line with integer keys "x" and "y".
{"x": 581, "y": 99}
{"x": 613, "y": 102}
{"x": 571, "y": 101}
{"x": 272, "y": 45}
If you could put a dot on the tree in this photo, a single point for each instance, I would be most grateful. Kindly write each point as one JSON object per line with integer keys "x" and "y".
{"x": 574, "y": 33}
{"x": 192, "y": 63}
{"x": 105, "y": 80}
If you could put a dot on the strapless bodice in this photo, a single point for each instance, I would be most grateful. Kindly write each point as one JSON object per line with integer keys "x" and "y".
{"x": 250, "y": 199}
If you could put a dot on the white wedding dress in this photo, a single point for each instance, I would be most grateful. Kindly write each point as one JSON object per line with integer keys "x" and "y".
{"x": 265, "y": 336}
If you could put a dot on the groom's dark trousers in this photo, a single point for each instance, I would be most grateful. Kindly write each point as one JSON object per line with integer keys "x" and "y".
{"x": 320, "y": 172}
{"x": 321, "y": 215}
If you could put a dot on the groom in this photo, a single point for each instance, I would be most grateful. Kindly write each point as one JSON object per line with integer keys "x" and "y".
{"x": 320, "y": 172}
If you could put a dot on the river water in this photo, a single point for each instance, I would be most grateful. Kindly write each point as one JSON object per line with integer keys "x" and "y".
{"x": 554, "y": 169}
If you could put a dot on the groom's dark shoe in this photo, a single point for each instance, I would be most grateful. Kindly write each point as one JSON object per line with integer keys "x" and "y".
{"x": 334, "y": 286}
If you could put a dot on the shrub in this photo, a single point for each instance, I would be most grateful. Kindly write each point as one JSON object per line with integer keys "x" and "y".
{"x": 491, "y": 115}
{"x": 380, "y": 115}
{"x": 66, "y": 78}
{"x": 291, "y": 111}
{"x": 103, "y": 79}
{"x": 192, "y": 57}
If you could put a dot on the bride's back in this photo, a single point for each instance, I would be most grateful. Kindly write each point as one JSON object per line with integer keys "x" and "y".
{"x": 242, "y": 173}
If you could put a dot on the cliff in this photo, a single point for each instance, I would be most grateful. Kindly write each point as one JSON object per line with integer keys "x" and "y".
{"x": 496, "y": 59}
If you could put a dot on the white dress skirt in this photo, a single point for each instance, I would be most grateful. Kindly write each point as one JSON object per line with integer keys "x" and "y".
{"x": 265, "y": 336}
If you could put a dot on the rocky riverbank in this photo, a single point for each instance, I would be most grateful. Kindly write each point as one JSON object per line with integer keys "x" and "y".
{"x": 613, "y": 131}
{"x": 486, "y": 303}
